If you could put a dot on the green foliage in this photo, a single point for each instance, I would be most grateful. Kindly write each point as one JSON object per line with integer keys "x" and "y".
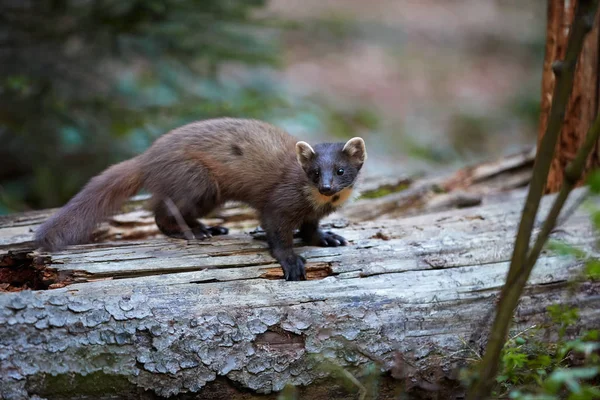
{"x": 526, "y": 103}
{"x": 593, "y": 182}
{"x": 87, "y": 84}
{"x": 431, "y": 153}
{"x": 332, "y": 30}
{"x": 344, "y": 122}
{"x": 532, "y": 369}
{"x": 523, "y": 361}
{"x": 535, "y": 369}
{"x": 562, "y": 317}
{"x": 564, "y": 249}
{"x": 592, "y": 269}
{"x": 592, "y": 264}
{"x": 385, "y": 190}
{"x": 289, "y": 392}
{"x": 468, "y": 132}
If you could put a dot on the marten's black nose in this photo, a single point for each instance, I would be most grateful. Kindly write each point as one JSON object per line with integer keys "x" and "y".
{"x": 326, "y": 190}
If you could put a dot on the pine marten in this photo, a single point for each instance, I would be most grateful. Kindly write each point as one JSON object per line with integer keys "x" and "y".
{"x": 199, "y": 166}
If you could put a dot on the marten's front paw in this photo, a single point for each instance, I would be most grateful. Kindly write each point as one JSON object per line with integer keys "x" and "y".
{"x": 293, "y": 268}
{"x": 330, "y": 239}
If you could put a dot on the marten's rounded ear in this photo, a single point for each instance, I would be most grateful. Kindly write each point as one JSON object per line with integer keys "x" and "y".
{"x": 304, "y": 153}
{"x": 356, "y": 149}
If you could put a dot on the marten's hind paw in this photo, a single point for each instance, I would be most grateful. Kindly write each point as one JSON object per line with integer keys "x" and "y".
{"x": 218, "y": 230}
{"x": 203, "y": 232}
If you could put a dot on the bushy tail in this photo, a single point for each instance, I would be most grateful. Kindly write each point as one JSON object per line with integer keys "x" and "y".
{"x": 103, "y": 195}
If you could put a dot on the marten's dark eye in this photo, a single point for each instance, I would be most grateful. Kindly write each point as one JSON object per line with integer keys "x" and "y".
{"x": 317, "y": 172}
{"x": 340, "y": 171}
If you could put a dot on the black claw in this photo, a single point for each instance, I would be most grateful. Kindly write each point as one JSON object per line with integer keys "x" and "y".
{"x": 203, "y": 232}
{"x": 330, "y": 239}
{"x": 218, "y": 230}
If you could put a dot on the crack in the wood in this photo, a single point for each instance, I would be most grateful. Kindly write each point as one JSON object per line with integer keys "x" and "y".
{"x": 115, "y": 260}
{"x": 208, "y": 280}
{"x": 318, "y": 271}
{"x": 24, "y": 270}
{"x": 551, "y": 283}
{"x": 237, "y": 252}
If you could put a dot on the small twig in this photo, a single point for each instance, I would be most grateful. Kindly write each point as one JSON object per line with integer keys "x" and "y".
{"x": 361, "y": 388}
{"x": 522, "y": 332}
{"x": 464, "y": 342}
{"x": 179, "y": 219}
{"x": 344, "y": 372}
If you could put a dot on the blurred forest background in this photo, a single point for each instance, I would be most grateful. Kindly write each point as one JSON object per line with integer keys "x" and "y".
{"x": 430, "y": 84}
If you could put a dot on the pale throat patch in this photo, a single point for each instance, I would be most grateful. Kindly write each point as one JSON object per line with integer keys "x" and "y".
{"x": 320, "y": 200}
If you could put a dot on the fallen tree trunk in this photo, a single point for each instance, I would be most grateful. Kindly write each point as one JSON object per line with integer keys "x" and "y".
{"x": 412, "y": 296}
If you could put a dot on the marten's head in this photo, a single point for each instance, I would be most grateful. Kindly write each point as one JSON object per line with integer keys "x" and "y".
{"x": 332, "y": 167}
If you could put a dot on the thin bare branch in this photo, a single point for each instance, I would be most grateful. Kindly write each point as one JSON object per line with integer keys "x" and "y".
{"x": 180, "y": 221}
{"x": 573, "y": 173}
{"x": 522, "y": 263}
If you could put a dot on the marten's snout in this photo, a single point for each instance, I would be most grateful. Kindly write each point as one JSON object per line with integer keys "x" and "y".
{"x": 326, "y": 189}
{"x": 326, "y": 182}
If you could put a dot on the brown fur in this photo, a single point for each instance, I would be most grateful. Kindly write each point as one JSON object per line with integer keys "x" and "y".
{"x": 200, "y": 166}
{"x": 75, "y": 222}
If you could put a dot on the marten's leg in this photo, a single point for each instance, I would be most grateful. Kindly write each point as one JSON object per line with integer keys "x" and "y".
{"x": 168, "y": 224}
{"x": 185, "y": 193}
{"x": 280, "y": 237}
{"x": 200, "y": 230}
{"x": 312, "y": 235}
{"x": 171, "y": 226}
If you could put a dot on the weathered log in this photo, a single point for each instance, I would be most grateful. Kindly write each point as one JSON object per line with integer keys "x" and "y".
{"x": 467, "y": 187}
{"x": 413, "y": 295}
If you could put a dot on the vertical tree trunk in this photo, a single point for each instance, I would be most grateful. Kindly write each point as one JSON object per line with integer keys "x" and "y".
{"x": 583, "y": 103}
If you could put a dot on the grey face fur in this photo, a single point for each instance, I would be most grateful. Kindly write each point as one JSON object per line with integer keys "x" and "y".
{"x": 331, "y": 167}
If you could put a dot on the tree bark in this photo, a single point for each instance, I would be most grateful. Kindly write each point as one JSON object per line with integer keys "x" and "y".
{"x": 414, "y": 296}
{"x": 583, "y": 103}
